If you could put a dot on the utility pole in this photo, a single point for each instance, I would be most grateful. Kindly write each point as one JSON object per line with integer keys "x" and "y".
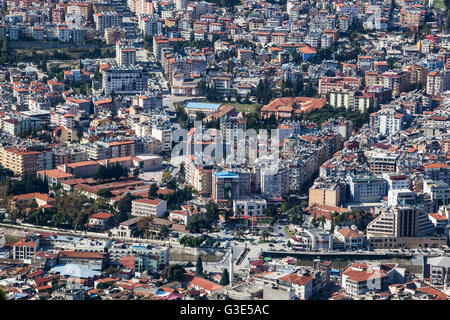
{"x": 231, "y": 267}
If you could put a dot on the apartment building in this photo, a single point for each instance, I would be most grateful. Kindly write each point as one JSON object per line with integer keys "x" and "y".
{"x": 21, "y": 162}
{"x": 417, "y": 74}
{"x": 327, "y": 84}
{"x": 199, "y": 177}
{"x": 107, "y": 19}
{"x": 124, "y": 80}
{"x": 125, "y": 55}
{"x": 327, "y": 193}
{"x": 381, "y": 162}
{"x": 438, "y": 82}
{"x": 351, "y": 99}
{"x": 397, "y": 81}
{"x": 439, "y": 193}
{"x": 119, "y": 149}
{"x": 26, "y": 247}
{"x": 359, "y": 278}
{"x": 366, "y": 189}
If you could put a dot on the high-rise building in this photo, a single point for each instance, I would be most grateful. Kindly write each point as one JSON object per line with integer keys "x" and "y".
{"x": 125, "y": 54}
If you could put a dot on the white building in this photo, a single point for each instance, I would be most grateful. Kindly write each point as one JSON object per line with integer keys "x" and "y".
{"x": 124, "y": 80}
{"x": 249, "y": 208}
{"x": 149, "y": 207}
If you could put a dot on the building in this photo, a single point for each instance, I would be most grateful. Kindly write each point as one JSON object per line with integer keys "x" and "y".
{"x": 287, "y": 107}
{"x": 126, "y": 228}
{"x": 225, "y": 186}
{"x": 366, "y": 189}
{"x": 125, "y": 55}
{"x": 148, "y": 207}
{"x": 26, "y": 247}
{"x": 351, "y": 99}
{"x": 21, "y": 162}
{"x": 249, "y": 208}
{"x": 401, "y": 197}
{"x": 119, "y": 149}
{"x": 93, "y": 260}
{"x": 402, "y": 227}
{"x": 301, "y": 283}
{"x": 381, "y": 162}
{"x": 439, "y": 193}
{"x": 397, "y": 81}
{"x": 348, "y": 238}
{"x": 100, "y": 220}
{"x": 359, "y": 278}
{"x": 438, "y": 82}
{"x": 327, "y": 84}
{"x": 440, "y": 222}
{"x": 124, "y": 80}
{"x": 327, "y": 193}
{"x": 438, "y": 270}
{"x": 206, "y": 108}
{"x": 106, "y": 20}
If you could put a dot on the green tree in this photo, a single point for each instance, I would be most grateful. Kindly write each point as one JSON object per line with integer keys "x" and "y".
{"x": 123, "y": 207}
{"x": 225, "y": 280}
{"x": 173, "y": 273}
{"x": 136, "y": 172}
{"x": 2, "y": 293}
{"x": 105, "y": 193}
{"x": 153, "y": 191}
{"x": 164, "y": 232}
{"x": 166, "y": 176}
{"x": 265, "y": 234}
{"x": 143, "y": 226}
{"x": 199, "y": 266}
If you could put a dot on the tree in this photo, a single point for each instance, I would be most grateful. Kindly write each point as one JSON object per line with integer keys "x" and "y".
{"x": 172, "y": 184}
{"x": 27, "y": 184}
{"x": 68, "y": 207}
{"x": 82, "y": 218}
{"x": 115, "y": 171}
{"x": 166, "y": 176}
{"x": 265, "y": 234}
{"x": 104, "y": 285}
{"x": 143, "y": 226}
{"x": 105, "y": 193}
{"x": 173, "y": 273}
{"x": 181, "y": 175}
{"x": 123, "y": 207}
{"x": 284, "y": 206}
{"x": 225, "y": 280}
{"x": 153, "y": 191}
{"x": 2, "y": 293}
{"x": 199, "y": 266}
{"x": 136, "y": 172}
{"x": 264, "y": 91}
{"x": 164, "y": 232}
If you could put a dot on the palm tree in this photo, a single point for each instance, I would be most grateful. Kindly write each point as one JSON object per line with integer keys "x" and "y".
{"x": 265, "y": 234}
{"x": 322, "y": 221}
